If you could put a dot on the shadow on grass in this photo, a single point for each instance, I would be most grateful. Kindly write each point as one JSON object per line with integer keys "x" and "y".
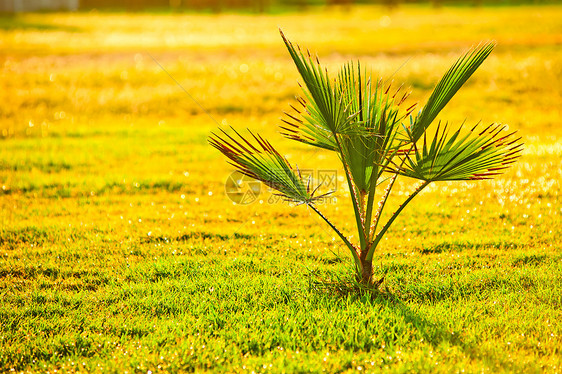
{"x": 434, "y": 333}
{"x": 18, "y": 23}
{"x": 195, "y": 235}
{"x": 430, "y": 331}
{"x": 462, "y": 246}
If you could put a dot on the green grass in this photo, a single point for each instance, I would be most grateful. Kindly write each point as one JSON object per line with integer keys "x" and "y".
{"x": 119, "y": 250}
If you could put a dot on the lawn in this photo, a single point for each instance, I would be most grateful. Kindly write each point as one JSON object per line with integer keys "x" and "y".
{"x": 121, "y": 252}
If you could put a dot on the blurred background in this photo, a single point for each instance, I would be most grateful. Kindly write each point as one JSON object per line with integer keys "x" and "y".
{"x": 111, "y": 108}
{"x": 222, "y": 5}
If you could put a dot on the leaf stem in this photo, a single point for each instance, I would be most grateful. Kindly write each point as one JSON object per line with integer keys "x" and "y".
{"x": 393, "y": 217}
{"x": 353, "y": 192}
{"x": 382, "y": 204}
{"x": 342, "y": 236}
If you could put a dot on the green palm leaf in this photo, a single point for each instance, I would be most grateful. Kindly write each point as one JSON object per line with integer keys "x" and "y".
{"x": 378, "y": 118}
{"x": 262, "y": 162}
{"x": 472, "y": 156}
{"x": 448, "y": 86}
{"x": 308, "y": 129}
{"x": 325, "y": 112}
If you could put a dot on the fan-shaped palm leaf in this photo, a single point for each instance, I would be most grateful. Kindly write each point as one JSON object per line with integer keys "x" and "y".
{"x": 326, "y": 113}
{"x": 448, "y": 86}
{"x": 472, "y": 156}
{"x": 378, "y": 117}
{"x": 264, "y": 163}
{"x": 308, "y": 128}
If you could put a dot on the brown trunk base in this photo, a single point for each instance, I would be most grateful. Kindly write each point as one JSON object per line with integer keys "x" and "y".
{"x": 367, "y": 272}
{"x": 367, "y": 275}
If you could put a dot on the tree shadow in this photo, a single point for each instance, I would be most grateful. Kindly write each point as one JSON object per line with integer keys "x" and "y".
{"x": 434, "y": 333}
{"x": 456, "y": 246}
{"x": 429, "y": 330}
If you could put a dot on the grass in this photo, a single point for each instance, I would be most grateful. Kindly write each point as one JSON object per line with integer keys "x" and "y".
{"x": 119, "y": 250}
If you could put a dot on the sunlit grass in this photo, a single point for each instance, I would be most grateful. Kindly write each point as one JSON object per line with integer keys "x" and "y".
{"x": 119, "y": 249}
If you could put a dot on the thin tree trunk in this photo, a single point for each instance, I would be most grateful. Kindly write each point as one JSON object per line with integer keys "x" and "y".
{"x": 367, "y": 271}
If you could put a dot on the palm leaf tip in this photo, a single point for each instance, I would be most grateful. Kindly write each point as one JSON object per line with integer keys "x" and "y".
{"x": 306, "y": 130}
{"x": 259, "y": 160}
{"x": 473, "y": 156}
{"x": 450, "y": 83}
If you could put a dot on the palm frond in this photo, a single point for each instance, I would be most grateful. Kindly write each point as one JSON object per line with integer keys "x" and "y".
{"x": 262, "y": 162}
{"x": 326, "y": 113}
{"x": 307, "y": 129}
{"x": 476, "y": 155}
{"x": 378, "y": 116}
{"x": 448, "y": 86}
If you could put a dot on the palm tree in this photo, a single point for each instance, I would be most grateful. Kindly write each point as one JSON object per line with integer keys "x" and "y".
{"x": 376, "y": 141}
